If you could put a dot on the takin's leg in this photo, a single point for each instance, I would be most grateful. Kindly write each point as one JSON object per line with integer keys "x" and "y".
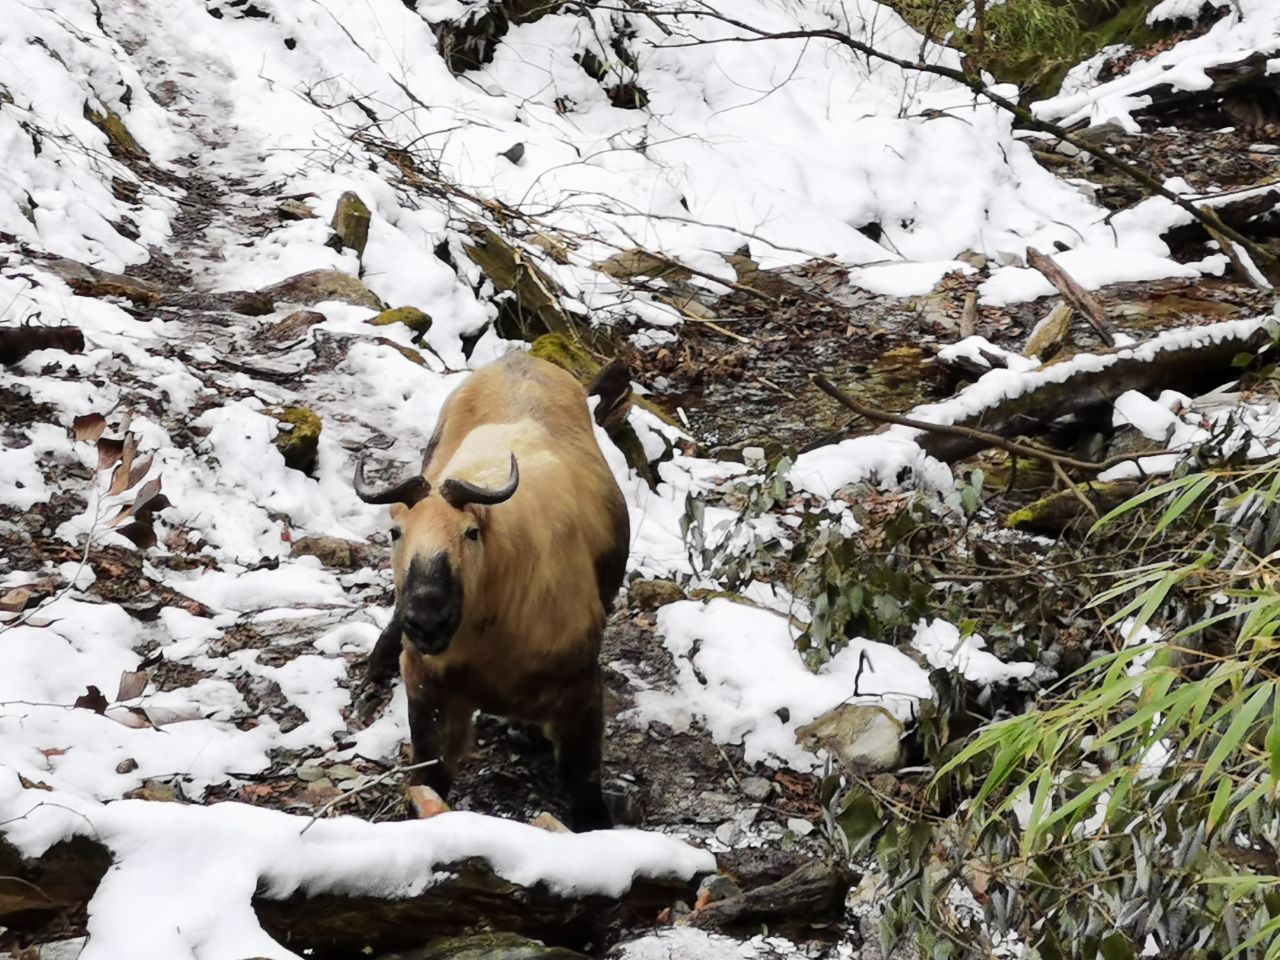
{"x": 578, "y": 735}
{"x": 385, "y": 657}
{"x": 439, "y": 726}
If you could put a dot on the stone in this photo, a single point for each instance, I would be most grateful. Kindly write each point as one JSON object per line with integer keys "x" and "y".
{"x": 756, "y": 788}
{"x": 411, "y": 317}
{"x": 863, "y": 737}
{"x": 294, "y": 209}
{"x": 299, "y": 438}
{"x": 1051, "y": 334}
{"x": 424, "y": 803}
{"x": 316, "y": 286}
{"x": 799, "y": 826}
{"x": 351, "y": 222}
{"x": 729, "y": 833}
{"x": 548, "y": 822}
{"x": 253, "y": 303}
{"x": 332, "y": 551}
{"x": 649, "y": 595}
{"x": 715, "y": 887}
{"x": 120, "y": 142}
{"x": 88, "y": 281}
{"x": 292, "y": 327}
{"x": 488, "y": 946}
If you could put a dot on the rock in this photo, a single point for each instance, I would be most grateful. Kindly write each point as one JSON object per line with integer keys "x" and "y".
{"x": 514, "y": 153}
{"x": 252, "y": 303}
{"x": 800, "y": 827}
{"x": 863, "y": 737}
{"x": 424, "y": 803}
{"x": 156, "y": 791}
{"x": 729, "y": 833}
{"x": 351, "y": 222}
{"x": 1051, "y": 334}
{"x": 343, "y": 771}
{"x": 411, "y": 317}
{"x": 316, "y": 286}
{"x": 486, "y": 946}
{"x": 299, "y": 438}
{"x": 756, "y": 788}
{"x": 536, "y": 308}
{"x": 294, "y": 208}
{"x": 128, "y": 765}
{"x": 89, "y": 281}
{"x": 649, "y": 595}
{"x": 332, "y": 551}
{"x": 638, "y": 262}
{"x": 292, "y": 327}
{"x": 545, "y": 821}
{"x": 120, "y": 142}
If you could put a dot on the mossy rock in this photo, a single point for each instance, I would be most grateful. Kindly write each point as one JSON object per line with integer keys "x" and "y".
{"x": 120, "y": 142}
{"x": 649, "y": 595}
{"x": 351, "y": 220}
{"x": 316, "y": 286}
{"x": 411, "y": 317}
{"x": 536, "y": 307}
{"x": 1053, "y": 514}
{"x": 299, "y": 437}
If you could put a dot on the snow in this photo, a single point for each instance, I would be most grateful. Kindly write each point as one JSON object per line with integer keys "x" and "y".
{"x": 905, "y": 279}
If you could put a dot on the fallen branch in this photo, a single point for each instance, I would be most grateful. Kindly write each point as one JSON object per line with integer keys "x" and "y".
{"x": 815, "y": 891}
{"x": 1086, "y": 304}
{"x": 970, "y": 437}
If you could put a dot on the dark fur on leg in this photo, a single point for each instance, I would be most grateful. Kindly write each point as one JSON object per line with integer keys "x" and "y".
{"x": 579, "y": 742}
{"x": 425, "y": 739}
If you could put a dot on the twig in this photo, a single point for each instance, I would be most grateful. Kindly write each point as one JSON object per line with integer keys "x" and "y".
{"x": 1089, "y": 306}
{"x": 325, "y": 808}
{"x": 972, "y": 433}
{"x": 1079, "y": 495}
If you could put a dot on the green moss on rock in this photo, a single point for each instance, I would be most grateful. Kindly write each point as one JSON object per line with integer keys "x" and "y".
{"x": 351, "y": 220}
{"x": 120, "y": 142}
{"x": 411, "y": 317}
{"x": 299, "y": 437}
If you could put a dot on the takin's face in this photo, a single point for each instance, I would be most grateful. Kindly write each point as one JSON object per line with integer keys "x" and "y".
{"x": 438, "y": 557}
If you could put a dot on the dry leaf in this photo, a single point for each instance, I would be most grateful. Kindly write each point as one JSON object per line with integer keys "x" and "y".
{"x": 133, "y": 717}
{"x": 163, "y": 716}
{"x": 92, "y": 699}
{"x": 17, "y": 895}
{"x": 51, "y": 752}
{"x": 88, "y": 427}
{"x": 132, "y": 683}
{"x": 109, "y": 452}
{"x": 33, "y": 784}
{"x": 120, "y": 476}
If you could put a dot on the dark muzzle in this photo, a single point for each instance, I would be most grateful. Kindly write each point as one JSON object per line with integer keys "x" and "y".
{"x": 430, "y": 604}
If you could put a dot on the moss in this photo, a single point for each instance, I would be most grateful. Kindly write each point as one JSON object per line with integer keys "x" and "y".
{"x": 1054, "y": 513}
{"x": 411, "y": 317}
{"x": 572, "y": 356}
{"x": 120, "y": 141}
{"x": 351, "y": 222}
{"x": 299, "y": 439}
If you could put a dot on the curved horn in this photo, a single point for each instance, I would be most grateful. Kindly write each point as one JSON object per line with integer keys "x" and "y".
{"x": 408, "y": 491}
{"x": 459, "y": 493}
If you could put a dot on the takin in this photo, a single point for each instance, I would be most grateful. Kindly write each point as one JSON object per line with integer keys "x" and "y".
{"x": 509, "y": 548}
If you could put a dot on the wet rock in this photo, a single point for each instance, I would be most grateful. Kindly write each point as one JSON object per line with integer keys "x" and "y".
{"x": 486, "y": 946}
{"x": 299, "y": 437}
{"x": 332, "y": 551}
{"x": 294, "y": 208}
{"x": 317, "y": 286}
{"x": 411, "y": 317}
{"x": 120, "y": 142}
{"x": 292, "y": 327}
{"x": 649, "y": 595}
{"x": 351, "y": 222}
{"x": 89, "y": 281}
{"x": 253, "y": 303}
{"x": 756, "y": 788}
{"x": 863, "y": 737}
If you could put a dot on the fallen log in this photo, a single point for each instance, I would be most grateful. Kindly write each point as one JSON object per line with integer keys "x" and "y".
{"x": 815, "y": 891}
{"x": 470, "y": 899}
{"x": 17, "y": 342}
{"x": 39, "y": 894}
{"x": 1189, "y": 361}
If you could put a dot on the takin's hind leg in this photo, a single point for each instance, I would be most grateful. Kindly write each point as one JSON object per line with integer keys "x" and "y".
{"x": 578, "y": 735}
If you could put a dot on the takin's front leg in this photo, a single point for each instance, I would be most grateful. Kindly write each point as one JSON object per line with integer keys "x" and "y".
{"x": 578, "y": 735}
{"x": 439, "y": 727}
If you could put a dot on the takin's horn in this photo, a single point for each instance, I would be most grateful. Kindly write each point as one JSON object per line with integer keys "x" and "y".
{"x": 409, "y": 491}
{"x": 459, "y": 493}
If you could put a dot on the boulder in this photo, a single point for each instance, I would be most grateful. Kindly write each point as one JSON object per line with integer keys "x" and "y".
{"x": 863, "y": 737}
{"x": 351, "y": 222}
{"x": 411, "y": 317}
{"x": 649, "y": 595}
{"x": 299, "y": 438}
{"x": 332, "y": 551}
{"x": 292, "y": 327}
{"x": 316, "y": 286}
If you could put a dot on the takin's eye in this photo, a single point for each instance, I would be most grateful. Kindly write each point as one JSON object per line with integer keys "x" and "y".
{"x": 473, "y": 533}
{"x": 395, "y": 534}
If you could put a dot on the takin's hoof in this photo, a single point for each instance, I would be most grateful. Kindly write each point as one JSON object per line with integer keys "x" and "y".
{"x": 424, "y": 803}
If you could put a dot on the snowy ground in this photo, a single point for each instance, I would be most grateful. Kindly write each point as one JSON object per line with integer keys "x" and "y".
{"x": 789, "y": 146}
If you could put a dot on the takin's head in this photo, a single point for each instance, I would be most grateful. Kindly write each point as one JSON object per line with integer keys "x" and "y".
{"x": 437, "y": 550}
